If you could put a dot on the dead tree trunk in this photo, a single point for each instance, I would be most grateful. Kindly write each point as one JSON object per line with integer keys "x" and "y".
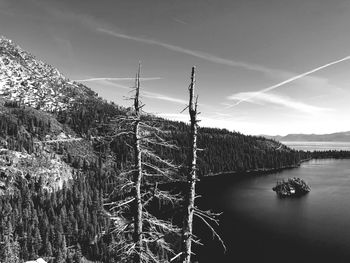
{"x": 191, "y": 177}
{"x": 139, "y": 192}
{"x": 138, "y": 174}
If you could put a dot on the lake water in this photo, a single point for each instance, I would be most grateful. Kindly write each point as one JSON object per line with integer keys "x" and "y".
{"x": 318, "y": 146}
{"x": 257, "y": 226}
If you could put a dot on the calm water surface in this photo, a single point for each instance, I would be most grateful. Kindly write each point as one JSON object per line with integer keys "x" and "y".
{"x": 257, "y": 225}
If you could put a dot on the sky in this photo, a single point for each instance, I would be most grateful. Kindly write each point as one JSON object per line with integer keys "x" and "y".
{"x": 247, "y": 55}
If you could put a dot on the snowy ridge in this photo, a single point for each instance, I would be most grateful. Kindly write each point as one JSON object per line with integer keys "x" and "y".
{"x": 33, "y": 83}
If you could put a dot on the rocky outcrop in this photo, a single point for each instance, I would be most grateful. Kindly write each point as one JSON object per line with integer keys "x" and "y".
{"x": 31, "y": 82}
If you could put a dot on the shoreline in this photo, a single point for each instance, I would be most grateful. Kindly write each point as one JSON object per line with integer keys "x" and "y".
{"x": 263, "y": 171}
{"x": 253, "y": 172}
{"x": 259, "y": 171}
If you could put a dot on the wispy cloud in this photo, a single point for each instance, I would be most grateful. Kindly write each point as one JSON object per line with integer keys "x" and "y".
{"x": 294, "y": 78}
{"x": 264, "y": 98}
{"x": 147, "y": 94}
{"x": 179, "y": 21}
{"x": 197, "y": 54}
{"x": 111, "y": 79}
{"x": 117, "y": 85}
{"x": 158, "y": 96}
{"x": 303, "y": 79}
{"x": 175, "y": 116}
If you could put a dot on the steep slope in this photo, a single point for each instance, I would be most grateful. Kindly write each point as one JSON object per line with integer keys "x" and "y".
{"x": 26, "y": 150}
{"x": 33, "y": 83}
{"x": 32, "y": 142}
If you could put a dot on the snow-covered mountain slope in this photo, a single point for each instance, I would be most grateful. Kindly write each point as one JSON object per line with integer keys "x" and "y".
{"x": 31, "y": 82}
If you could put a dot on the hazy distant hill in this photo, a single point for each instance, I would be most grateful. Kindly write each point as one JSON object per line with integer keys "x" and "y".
{"x": 332, "y": 137}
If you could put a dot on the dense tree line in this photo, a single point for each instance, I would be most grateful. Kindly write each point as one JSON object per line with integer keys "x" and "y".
{"x": 61, "y": 225}
{"x": 20, "y": 126}
{"x": 222, "y": 150}
{"x": 342, "y": 154}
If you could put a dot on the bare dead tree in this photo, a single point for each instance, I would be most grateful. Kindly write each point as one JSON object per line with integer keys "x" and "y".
{"x": 190, "y": 209}
{"x": 142, "y": 237}
{"x": 191, "y": 178}
{"x": 138, "y": 173}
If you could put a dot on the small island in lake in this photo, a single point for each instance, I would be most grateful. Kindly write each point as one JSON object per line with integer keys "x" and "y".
{"x": 292, "y": 187}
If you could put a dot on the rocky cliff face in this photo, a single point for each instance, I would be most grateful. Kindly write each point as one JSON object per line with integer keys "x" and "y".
{"x": 31, "y": 82}
{"x": 29, "y": 141}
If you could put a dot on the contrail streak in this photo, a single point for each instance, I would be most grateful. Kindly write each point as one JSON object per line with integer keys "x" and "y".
{"x": 289, "y": 80}
{"x": 195, "y": 53}
{"x": 99, "y": 79}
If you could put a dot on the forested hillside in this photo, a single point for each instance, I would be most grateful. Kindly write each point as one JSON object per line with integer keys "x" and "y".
{"x": 222, "y": 150}
{"x": 69, "y": 221}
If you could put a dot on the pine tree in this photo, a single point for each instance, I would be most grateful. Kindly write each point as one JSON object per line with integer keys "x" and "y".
{"x": 37, "y": 244}
{"x": 48, "y": 249}
{"x": 10, "y": 249}
{"x": 77, "y": 258}
{"x": 11, "y": 252}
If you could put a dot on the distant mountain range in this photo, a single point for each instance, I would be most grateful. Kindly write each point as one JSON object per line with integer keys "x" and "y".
{"x": 332, "y": 137}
